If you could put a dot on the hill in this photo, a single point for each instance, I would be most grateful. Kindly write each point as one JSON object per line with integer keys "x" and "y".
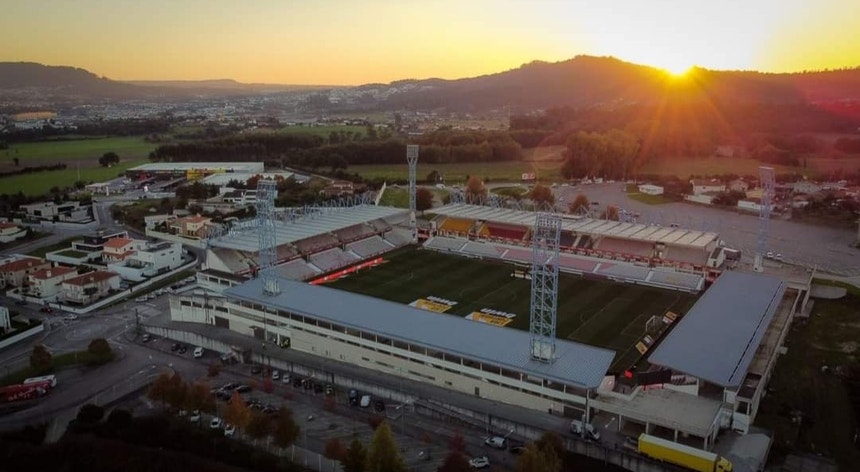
{"x": 227, "y": 85}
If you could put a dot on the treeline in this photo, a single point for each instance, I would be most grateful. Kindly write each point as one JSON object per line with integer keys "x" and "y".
{"x": 125, "y": 127}
{"x": 32, "y": 170}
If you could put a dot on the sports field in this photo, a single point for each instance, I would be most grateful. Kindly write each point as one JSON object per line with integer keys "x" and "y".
{"x": 599, "y": 313}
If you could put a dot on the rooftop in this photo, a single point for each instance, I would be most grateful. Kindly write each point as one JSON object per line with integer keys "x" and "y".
{"x": 91, "y": 278}
{"x": 58, "y": 271}
{"x": 21, "y": 264}
{"x": 578, "y": 364}
{"x": 717, "y": 339}
{"x": 118, "y": 243}
{"x": 590, "y": 226}
{"x": 185, "y": 166}
{"x": 290, "y": 232}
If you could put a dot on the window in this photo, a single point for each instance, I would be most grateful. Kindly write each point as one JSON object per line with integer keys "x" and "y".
{"x": 401, "y": 345}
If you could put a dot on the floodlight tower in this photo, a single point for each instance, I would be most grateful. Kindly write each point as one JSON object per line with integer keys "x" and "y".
{"x": 544, "y": 301}
{"x": 268, "y": 251}
{"x": 412, "y": 159}
{"x": 768, "y": 184}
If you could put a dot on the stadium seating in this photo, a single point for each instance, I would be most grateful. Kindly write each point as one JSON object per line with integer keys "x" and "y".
{"x": 624, "y": 271}
{"x": 567, "y": 239}
{"x": 456, "y": 226}
{"x": 584, "y": 241}
{"x": 518, "y": 255}
{"x": 625, "y": 246}
{"x": 676, "y": 279}
{"x": 286, "y": 252}
{"x": 502, "y": 231}
{"x": 296, "y": 269}
{"x": 686, "y": 255}
{"x": 576, "y": 263}
{"x": 230, "y": 260}
{"x": 380, "y": 225}
{"x": 332, "y": 259}
{"x": 445, "y": 244}
{"x": 369, "y": 247}
{"x": 480, "y": 249}
{"x": 316, "y": 243}
{"x": 398, "y": 237}
{"x": 354, "y": 233}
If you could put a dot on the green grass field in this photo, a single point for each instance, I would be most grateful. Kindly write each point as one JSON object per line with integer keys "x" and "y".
{"x": 86, "y": 152}
{"x": 599, "y": 313}
{"x": 41, "y": 182}
{"x": 456, "y": 173}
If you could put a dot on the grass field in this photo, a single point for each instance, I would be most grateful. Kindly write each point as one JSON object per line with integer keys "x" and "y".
{"x": 85, "y": 152}
{"x": 594, "y": 312}
{"x": 322, "y": 131}
{"x": 41, "y": 182}
{"x": 456, "y": 173}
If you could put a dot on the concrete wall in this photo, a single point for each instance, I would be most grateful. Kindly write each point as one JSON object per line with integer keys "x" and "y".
{"x": 197, "y": 243}
{"x": 21, "y": 336}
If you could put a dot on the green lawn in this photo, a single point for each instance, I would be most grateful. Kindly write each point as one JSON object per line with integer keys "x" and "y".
{"x": 84, "y": 151}
{"x": 829, "y": 338}
{"x": 456, "y": 173}
{"x": 395, "y": 197}
{"x": 41, "y": 183}
{"x": 594, "y": 312}
{"x": 323, "y": 131}
{"x": 64, "y": 244}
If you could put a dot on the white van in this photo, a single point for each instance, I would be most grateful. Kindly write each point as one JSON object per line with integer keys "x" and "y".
{"x": 365, "y": 401}
{"x": 198, "y": 352}
{"x": 576, "y": 427}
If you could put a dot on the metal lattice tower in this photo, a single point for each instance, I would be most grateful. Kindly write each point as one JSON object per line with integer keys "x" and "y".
{"x": 768, "y": 185}
{"x": 542, "y": 316}
{"x": 268, "y": 252}
{"x": 412, "y": 159}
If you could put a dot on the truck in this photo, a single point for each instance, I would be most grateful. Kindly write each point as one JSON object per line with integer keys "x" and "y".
{"x": 680, "y": 454}
{"x": 19, "y": 392}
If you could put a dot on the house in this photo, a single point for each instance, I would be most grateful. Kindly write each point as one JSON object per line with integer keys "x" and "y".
{"x": 14, "y": 273}
{"x": 805, "y": 186}
{"x": 800, "y": 201}
{"x": 650, "y": 189}
{"x": 149, "y": 260}
{"x": 750, "y": 204}
{"x": 191, "y": 226}
{"x": 47, "y": 283}
{"x": 339, "y": 188}
{"x": 739, "y": 185}
{"x": 702, "y": 186}
{"x": 71, "y": 212}
{"x": 118, "y": 249}
{"x": 10, "y": 232}
{"x": 95, "y": 242}
{"x": 88, "y": 288}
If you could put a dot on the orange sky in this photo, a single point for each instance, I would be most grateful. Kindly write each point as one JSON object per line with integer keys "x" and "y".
{"x": 353, "y": 42}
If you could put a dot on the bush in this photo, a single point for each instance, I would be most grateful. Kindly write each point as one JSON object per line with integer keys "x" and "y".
{"x": 100, "y": 352}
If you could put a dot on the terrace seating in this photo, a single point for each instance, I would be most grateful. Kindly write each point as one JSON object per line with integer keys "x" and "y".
{"x": 398, "y": 238}
{"x": 229, "y": 260}
{"x": 624, "y": 271}
{"x": 380, "y": 225}
{"x": 566, "y": 239}
{"x": 623, "y": 246}
{"x": 483, "y": 231}
{"x": 584, "y": 241}
{"x": 576, "y": 263}
{"x": 316, "y": 243}
{"x": 369, "y": 247}
{"x": 518, "y": 255}
{"x": 510, "y": 232}
{"x": 332, "y": 259}
{"x": 686, "y": 255}
{"x": 445, "y": 244}
{"x": 297, "y": 269}
{"x": 287, "y": 252}
{"x": 353, "y": 233}
{"x": 456, "y": 226}
{"x": 676, "y": 279}
{"x": 480, "y": 249}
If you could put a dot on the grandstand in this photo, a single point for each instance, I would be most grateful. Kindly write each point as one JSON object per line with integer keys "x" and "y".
{"x": 445, "y": 244}
{"x": 354, "y": 233}
{"x": 332, "y": 259}
{"x": 319, "y": 242}
{"x": 456, "y": 226}
{"x": 369, "y": 247}
{"x": 624, "y": 246}
{"x": 296, "y": 269}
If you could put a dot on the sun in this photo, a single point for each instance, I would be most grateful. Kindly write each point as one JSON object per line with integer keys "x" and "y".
{"x": 678, "y": 70}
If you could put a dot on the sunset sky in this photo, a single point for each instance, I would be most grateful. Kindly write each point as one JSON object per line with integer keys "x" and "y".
{"x": 338, "y": 42}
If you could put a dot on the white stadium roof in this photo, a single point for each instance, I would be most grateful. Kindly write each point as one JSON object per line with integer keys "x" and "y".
{"x": 717, "y": 339}
{"x": 223, "y": 179}
{"x": 289, "y": 232}
{"x": 185, "y": 166}
{"x": 579, "y": 365}
{"x": 590, "y": 226}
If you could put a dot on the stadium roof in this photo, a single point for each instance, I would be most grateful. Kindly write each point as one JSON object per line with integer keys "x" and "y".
{"x": 717, "y": 339}
{"x": 590, "y": 226}
{"x": 288, "y": 232}
{"x": 224, "y": 178}
{"x": 184, "y": 166}
{"x": 579, "y": 365}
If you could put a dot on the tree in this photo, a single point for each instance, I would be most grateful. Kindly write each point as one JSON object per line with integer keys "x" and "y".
{"x": 40, "y": 359}
{"x": 355, "y": 457}
{"x": 455, "y": 461}
{"x": 238, "y": 414}
{"x": 541, "y": 194}
{"x": 423, "y": 199}
{"x": 550, "y": 441}
{"x": 475, "y": 190}
{"x": 259, "y": 426}
{"x": 383, "y": 454}
{"x": 109, "y": 159}
{"x": 434, "y": 176}
{"x": 286, "y": 430}
{"x": 100, "y": 350}
{"x": 177, "y": 390}
{"x": 334, "y": 450}
{"x": 457, "y": 443}
{"x": 198, "y": 397}
{"x": 536, "y": 459}
{"x": 213, "y": 370}
{"x": 159, "y": 389}
{"x": 15, "y": 161}
{"x": 611, "y": 213}
{"x": 579, "y": 204}
{"x": 90, "y": 414}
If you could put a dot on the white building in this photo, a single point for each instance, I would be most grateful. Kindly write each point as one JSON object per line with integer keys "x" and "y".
{"x": 149, "y": 260}
{"x": 90, "y": 287}
{"x": 805, "y": 186}
{"x": 701, "y": 186}
{"x": 70, "y": 212}
{"x": 10, "y": 232}
{"x": 47, "y": 283}
{"x": 5, "y": 321}
{"x": 15, "y": 272}
{"x": 119, "y": 249}
{"x": 650, "y": 189}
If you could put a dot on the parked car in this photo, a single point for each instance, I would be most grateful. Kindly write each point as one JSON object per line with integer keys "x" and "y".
{"x": 586, "y": 430}
{"x": 70, "y": 317}
{"x": 198, "y": 352}
{"x": 365, "y": 401}
{"x": 276, "y": 375}
{"x": 379, "y": 405}
{"x": 146, "y": 338}
{"x": 47, "y": 309}
{"x": 256, "y": 369}
{"x": 353, "y": 397}
{"x": 497, "y": 442}
{"x": 229, "y": 431}
{"x": 174, "y": 347}
{"x": 195, "y": 416}
{"x": 216, "y": 423}
{"x": 183, "y": 348}
{"x": 479, "y": 462}
{"x": 285, "y": 378}
{"x": 517, "y": 449}
{"x": 243, "y": 389}
{"x": 329, "y": 389}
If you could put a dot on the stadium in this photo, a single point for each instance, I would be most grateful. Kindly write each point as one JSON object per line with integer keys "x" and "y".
{"x": 651, "y": 331}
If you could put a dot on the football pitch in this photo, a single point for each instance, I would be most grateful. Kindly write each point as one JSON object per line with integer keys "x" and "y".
{"x": 595, "y": 312}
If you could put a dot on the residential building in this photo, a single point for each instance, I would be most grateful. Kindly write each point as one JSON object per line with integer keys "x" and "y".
{"x": 90, "y": 287}
{"x": 149, "y": 260}
{"x": 14, "y": 273}
{"x": 750, "y": 205}
{"x": 339, "y": 188}
{"x": 701, "y": 186}
{"x": 650, "y": 189}
{"x": 805, "y": 186}
{"x": 118, "y": 249}
{"x": 193, "y": 227}
{"x": 10, "y": 232}
{"x": 94, "y": 242}
{"x": 47, "y": 283}
{"x": 71, "y": 212}
{"x": 739, "y": 185}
